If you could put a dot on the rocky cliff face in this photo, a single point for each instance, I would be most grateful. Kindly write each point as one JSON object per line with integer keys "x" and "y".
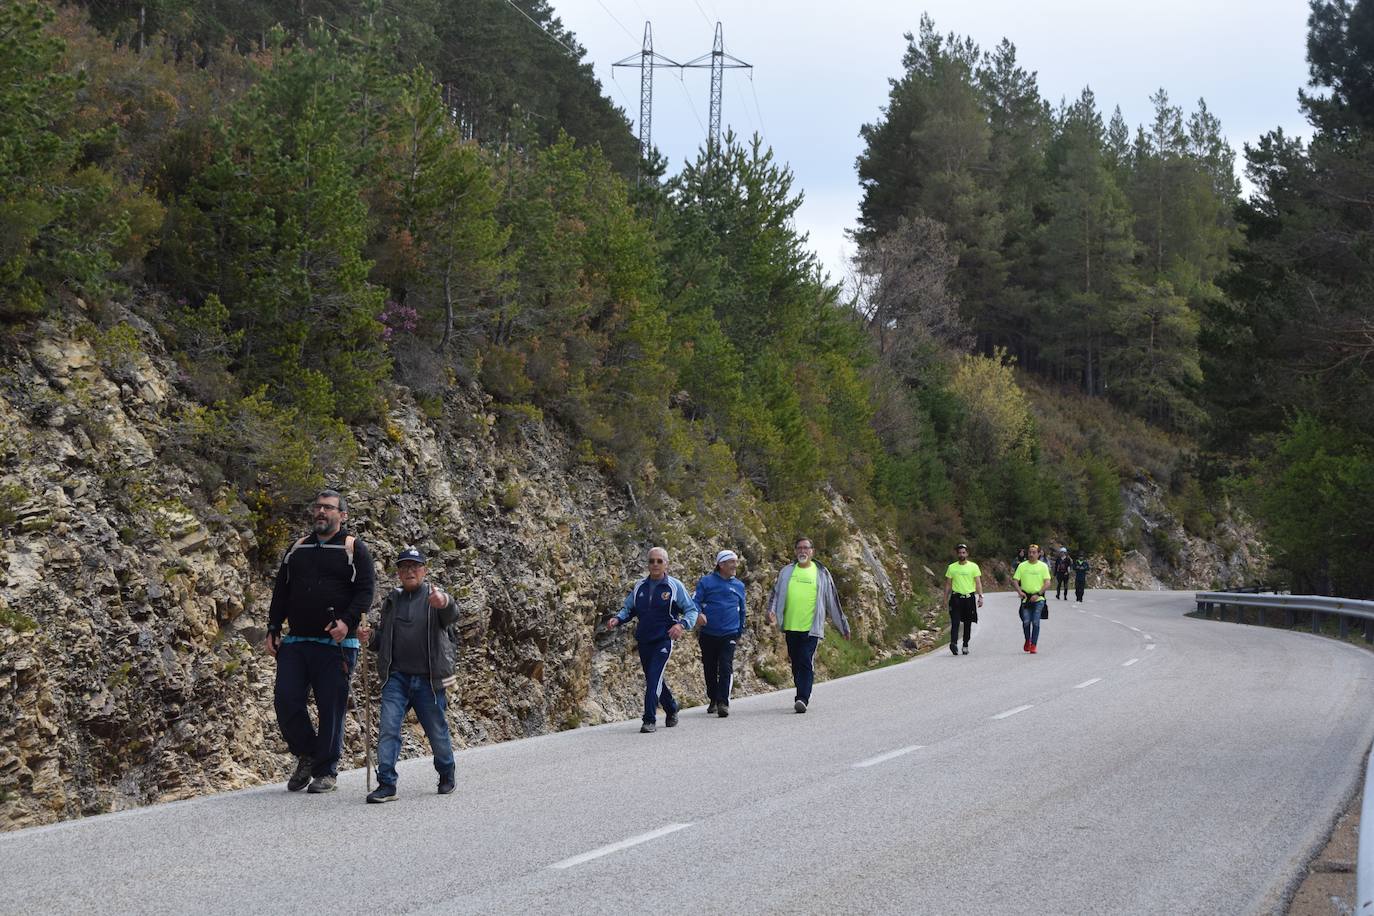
{"x": 132, "y": 605}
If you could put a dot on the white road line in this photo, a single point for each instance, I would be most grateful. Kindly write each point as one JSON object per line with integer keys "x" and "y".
{"x": 1152, "y": 645}
{"x": 1149, "y": 637}
{"x": 1136, "y": 629}
{"x": 1129, "y": 663}
{"x": 1117, "y": 622}
{"x": 1012, "y": 712}
{"x": 623, "y": 844}
{"x": 888, "y": 756}
{"x": 1086, "y": 683}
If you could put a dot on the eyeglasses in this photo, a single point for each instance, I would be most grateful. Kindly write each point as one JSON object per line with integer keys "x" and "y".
{"x": 805, "y": 547}
{"x": 657, "y": 562}
{"x": 321, "y": 507}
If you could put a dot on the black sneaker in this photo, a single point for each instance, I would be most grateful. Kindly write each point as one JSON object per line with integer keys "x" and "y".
{"x": 446, "y": 784}
{"x": 671, "y": 721}
{"x": 966, "y": 650}
{"x": 723, "y": 710}
{"x": 799, "y": 706}
{"x": 648, "y": 728}
{"x": 381, "y": 794}
{"x": 301, "y": 777}
{"x": 954, "y": 648}
{"x": 322, "y": 784}
{"x": 712, "y": 708}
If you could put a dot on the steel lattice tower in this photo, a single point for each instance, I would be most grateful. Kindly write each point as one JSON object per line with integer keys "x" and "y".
{"x": 646, "y": 60}
{"x": 719, "y": 62}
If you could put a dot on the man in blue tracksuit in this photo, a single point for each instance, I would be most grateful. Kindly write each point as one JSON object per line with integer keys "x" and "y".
{"x": 721, "y": 599}
{"x": 665, "y": 612}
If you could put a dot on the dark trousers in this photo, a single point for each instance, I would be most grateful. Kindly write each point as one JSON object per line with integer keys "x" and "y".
{"x": 718, "y": 665}
{"x": 801, "y": 651}
{"x": 1078, "y": 586}
{"x": 965, "y": 611}
{"x": 303, "y": 667}
{"x": 653, "y": 658}
{"x": 1061, "y": 586}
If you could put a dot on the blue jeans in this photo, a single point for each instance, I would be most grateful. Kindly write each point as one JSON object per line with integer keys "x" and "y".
{"x": 412, "y": 691}
{"x": 1030, "y": 620}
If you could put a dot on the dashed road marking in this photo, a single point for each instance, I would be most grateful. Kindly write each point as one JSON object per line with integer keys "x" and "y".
{"x": 623, "y": 844}
{"x": 1012, "y": 712}
{"x": 1088, "y": 683}
{"x": 1129, "y": 663}
{"x": 882, "y": 758}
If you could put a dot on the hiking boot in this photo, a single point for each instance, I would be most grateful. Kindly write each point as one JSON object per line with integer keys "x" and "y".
{"x": 712, "y": 708}
{"x": 954, "y": 649}
{"x": 799, "y": 706}
{"x": 301, "y": 777}
{"x": 1032, "y": 649}
{"x": 381, "y": 794}
{"x": 321, "y": 784}
{"x": 723, "y": 710}
{"x": 648, "y": 728}
{"x": 446, "y": 784}
{"x": 671, "y": 721}
{"x": 966, "y": 650}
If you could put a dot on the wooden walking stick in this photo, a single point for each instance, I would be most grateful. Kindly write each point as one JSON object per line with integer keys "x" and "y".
{"x": 367, "y": 715}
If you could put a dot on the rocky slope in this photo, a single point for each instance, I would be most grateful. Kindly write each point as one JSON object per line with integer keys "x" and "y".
{"x": 131, "y": 603}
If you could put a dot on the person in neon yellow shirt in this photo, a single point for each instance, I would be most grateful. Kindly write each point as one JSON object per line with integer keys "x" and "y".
{"x": 1030, "y": 578}
{"x": 803, "y": 597}
{"x": 963, "y": 580}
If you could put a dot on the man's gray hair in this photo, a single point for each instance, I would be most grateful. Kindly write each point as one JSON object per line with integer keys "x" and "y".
{"x": 334, "y": 494}
{"x": 660, "y": 550}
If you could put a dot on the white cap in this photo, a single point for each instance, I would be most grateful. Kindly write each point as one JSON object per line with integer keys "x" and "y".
{"x": 726, "y": 555}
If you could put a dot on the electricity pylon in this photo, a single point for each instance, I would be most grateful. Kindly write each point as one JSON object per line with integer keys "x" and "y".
{"x": 719, "y": 63}
{"x": 646, "y": 60}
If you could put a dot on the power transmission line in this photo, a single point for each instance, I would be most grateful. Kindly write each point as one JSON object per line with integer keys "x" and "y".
{"x": 547, "y": 34}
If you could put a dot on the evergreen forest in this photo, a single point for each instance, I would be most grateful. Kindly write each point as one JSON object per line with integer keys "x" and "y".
{"x": 324, "y": 205}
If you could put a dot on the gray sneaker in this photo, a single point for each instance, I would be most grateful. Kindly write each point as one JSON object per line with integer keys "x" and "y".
{"x": 321, "y": 784}
{"x": 723, "y": 710}
{"x": 799, "y": 706}
{"x": 648, "y": 728}
{"x": 301, "y": 777}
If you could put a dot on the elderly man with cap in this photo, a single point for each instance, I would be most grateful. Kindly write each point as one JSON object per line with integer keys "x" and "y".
{"x": 665, "y": 613}
{"x": 721, "y": 599}
{"x": 414, "y": 667}
{"x": 963, "y": 582}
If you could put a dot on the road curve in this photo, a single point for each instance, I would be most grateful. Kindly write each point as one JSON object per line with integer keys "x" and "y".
{"x": 1143, "y": 762}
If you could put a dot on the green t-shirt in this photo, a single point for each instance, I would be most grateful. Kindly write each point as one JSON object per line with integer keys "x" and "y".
{"x": 961, "y": 576}
{"x": 800, "y": 610}
{"x": 1032, "y": 576}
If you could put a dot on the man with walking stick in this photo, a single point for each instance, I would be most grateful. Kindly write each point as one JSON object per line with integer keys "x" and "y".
{"x": 415, "y": 668}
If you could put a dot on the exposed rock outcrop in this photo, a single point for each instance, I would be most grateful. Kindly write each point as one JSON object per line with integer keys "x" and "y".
{"x": 131, "y": 604}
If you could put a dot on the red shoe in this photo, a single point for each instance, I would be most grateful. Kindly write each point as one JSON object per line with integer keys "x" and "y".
{"x": 1032, "y": 648}
{"x": 1025, "y": 646}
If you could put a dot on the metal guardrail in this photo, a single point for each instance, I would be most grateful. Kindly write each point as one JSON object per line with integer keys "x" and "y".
{"x": 1317, "y": 607}
{"x": 1289, "y": 608}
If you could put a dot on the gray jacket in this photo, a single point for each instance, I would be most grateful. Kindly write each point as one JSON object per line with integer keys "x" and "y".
{"x": 439, "y": 648}
{"x": 827, "y": 600}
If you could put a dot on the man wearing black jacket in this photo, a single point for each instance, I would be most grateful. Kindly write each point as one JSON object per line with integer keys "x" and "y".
{"x": 323, "y": 588}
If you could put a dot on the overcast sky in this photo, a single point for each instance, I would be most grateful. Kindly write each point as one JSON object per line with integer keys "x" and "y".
{"x": 821, "y": 70}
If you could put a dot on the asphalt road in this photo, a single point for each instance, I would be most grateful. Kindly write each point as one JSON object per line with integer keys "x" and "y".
{"x": 1143, "y": 762}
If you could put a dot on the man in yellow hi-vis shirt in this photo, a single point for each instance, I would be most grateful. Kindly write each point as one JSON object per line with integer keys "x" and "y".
{"x": 963, "y": 582}
{"x": 1030, "y": 578}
